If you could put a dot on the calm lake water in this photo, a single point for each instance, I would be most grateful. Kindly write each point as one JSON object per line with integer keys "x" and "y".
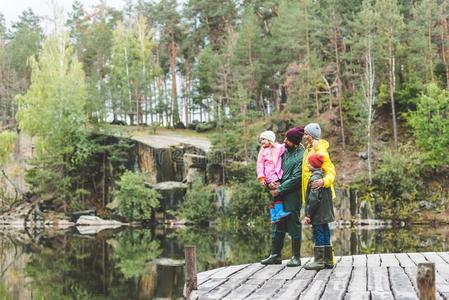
{"x": 113, "y": 264}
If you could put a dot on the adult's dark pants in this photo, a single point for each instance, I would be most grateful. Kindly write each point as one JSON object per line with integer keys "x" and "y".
{"x": 289, "y": 224}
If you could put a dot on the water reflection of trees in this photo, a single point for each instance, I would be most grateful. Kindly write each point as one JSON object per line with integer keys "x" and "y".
{"x": 90, "y": 268}
{"x": 133, "y": 249}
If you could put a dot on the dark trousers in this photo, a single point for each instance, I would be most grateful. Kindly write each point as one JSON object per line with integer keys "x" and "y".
{"x": 290, "y": 224}
{"x": 321, "y": 234}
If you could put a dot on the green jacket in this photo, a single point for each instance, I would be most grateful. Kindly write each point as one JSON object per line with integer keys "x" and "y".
{"x": 290, "y": 188}
{"x": 319, "y": 205}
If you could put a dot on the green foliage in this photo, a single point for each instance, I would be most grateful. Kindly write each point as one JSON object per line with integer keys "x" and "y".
{"x": 430, "y": 123}
{"x": 198, "y": 205}
{"x": 7, "y": 140}
{"x": 397, "y": 184}
{"x": 249, "y": 201}
{"x": 53, "y": 112}
{"x": 133, "y": 250}
{"x": 4, "y": 294}
{"x": 135, "y": 200}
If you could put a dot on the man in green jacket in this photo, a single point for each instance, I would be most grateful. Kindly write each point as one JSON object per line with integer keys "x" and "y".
{"x": 288, "y": 190}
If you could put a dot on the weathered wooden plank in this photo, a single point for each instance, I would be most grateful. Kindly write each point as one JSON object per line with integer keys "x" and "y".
{"x": 388, "y": 260}
{"x": 335, "y": 289}
{"x": 358, "y": 295}
{"x": 401, "y": 286}
{"x": 292, "y": 289}
{"x": 345, "y": 261}
{"x": 373, "y": 260}
{"x": 210, "y": 284}
{"x": 268, "y": 272}
{"x": 226, "y": 288}
{"x": 441, "y": 265}
{"x": 404, "y": 260}
{"x": 241, "y": 292}
{"x": 267, "y": 290}
{"x": 445, "y": 256}
{"x": 417, "y": 258}
{"x": 228, "y": 271}
{"x": 378, "y": 279}
{"x": 316, "y": 288}
{"x": 338, "y": 281}
{"x": 247, "y": 272}
{"x": 203, "y": 276}
{"x": 381, "y": 295}
{"x": 358, "y": 282}
{"x": 359, "y": 260}
{"x": 411, "y": 274}
{"x": 287, "y": 273}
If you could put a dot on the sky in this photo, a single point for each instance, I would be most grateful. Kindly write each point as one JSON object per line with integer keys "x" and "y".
{"x": 11, "y": 9}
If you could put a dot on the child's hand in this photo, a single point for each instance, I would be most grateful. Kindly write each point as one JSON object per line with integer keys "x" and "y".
{"x": 261, "y": 180}
{"x": 317, "y": 184}
{"x": 307, "y": 220}
{"x": 274, "y": 193}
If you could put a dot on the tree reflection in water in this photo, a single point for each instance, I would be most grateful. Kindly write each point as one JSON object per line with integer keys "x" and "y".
{"x": 122, "y": 265}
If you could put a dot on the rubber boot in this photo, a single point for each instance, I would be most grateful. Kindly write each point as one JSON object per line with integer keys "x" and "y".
{"x": 295, "y": 261}
{"x": 318, "y": 261}
{"x": 328, "y": 257}
{"x": 279, "y": 212}
{"x": 275, "y": 255}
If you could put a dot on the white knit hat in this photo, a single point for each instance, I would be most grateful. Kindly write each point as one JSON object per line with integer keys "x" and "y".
{"x": 268, "y": 135}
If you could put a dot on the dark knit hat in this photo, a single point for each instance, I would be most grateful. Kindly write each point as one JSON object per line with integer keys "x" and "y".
{"x": 316, "y": 160}
{"x": 295, "y": 135}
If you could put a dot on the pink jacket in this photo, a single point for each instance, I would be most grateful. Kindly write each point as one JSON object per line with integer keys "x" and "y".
{"x": 269, "y": 163}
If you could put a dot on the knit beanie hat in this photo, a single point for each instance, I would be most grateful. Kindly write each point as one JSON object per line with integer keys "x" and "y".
{"x": 314, "y": 130}
{"x": 295, "y": 135}
{"x": 316, "y": 160}
{"x": 268, "y": 135}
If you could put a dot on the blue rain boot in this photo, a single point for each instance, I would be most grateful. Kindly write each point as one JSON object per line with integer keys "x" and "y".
{"x": 279, "y": 212}
{"x": 273, "y": 214}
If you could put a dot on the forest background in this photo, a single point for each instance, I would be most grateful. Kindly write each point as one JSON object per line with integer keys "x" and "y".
{"x": 374, "y": 74}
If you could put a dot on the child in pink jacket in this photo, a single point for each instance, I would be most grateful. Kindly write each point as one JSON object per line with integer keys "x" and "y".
{"x": 269, "y": 169}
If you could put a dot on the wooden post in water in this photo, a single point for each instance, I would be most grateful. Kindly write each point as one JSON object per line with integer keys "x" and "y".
{"x": 425, "y": 278}
{"x": 190, "y": 269}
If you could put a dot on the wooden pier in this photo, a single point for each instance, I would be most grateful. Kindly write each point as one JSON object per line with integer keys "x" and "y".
{"x": 358, "y": 277}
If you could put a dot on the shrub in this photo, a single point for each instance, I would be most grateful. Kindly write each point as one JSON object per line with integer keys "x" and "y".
{"x": 198, "y": 206}
{"x": 135, "y": 201}
{"x": 249, "y": 200}
{"x": 397, "y": 181}
{"x": 430, "y": 123}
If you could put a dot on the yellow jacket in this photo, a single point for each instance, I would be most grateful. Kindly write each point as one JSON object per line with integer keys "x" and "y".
{"x": 328, "y": 167}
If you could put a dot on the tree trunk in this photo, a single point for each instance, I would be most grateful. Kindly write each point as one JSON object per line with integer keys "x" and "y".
{"x": 444, "y": 38}
{"x": 429, "y": 44}
{"x": 128, "y": 85}
{"x": 158, "y": 84}
{"x": 368, "y": 90}
{"x": 174, "y": 100}
{"x": 391, "y": 83}
{"x": 338, "y": 79}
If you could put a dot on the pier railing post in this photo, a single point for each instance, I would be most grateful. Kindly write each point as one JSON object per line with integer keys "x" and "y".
{"x": 190, "y": 270}
{"x": 425, "y": 279}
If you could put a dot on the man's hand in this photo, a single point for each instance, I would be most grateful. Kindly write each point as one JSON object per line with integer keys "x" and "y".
{"x": 317, "y": 184}
{"x": 273, "y": 185}
{"x": 274, "y": 193}
{"x": 307, "y": 220}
